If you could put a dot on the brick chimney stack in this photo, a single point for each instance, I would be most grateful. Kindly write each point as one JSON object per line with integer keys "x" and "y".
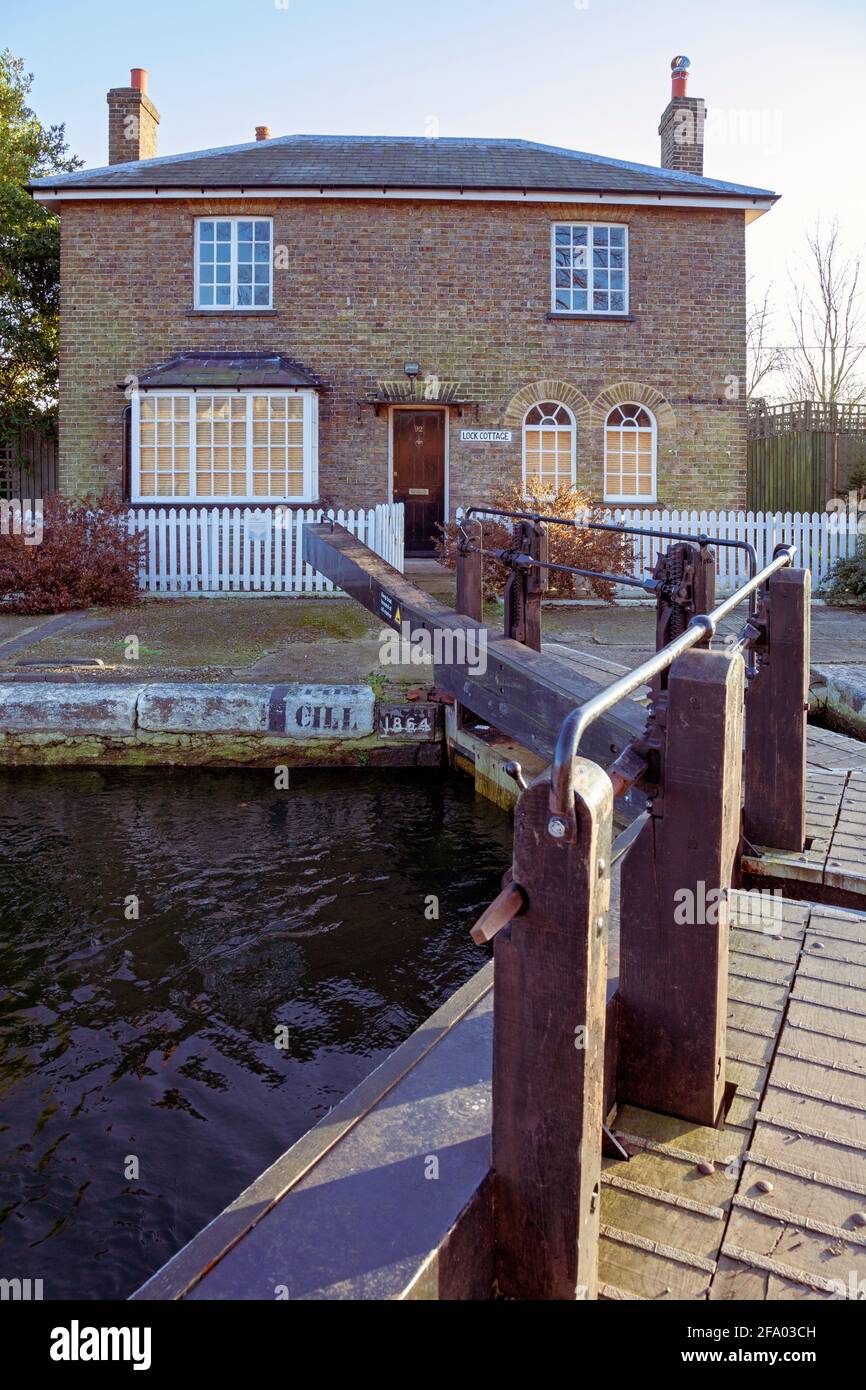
{"x": 263, "y": 132}
{"x": 132, "y": 121}
{"x": 682, "y": 123}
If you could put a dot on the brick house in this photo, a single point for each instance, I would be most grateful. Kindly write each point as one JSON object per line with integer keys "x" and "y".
{"x": 360, "y": 319}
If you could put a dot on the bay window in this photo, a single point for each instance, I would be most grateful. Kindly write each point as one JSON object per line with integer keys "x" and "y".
{"x": 220, "y": 446}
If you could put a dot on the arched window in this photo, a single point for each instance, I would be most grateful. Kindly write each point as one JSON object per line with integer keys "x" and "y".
{"x": 548, "y": 448}
{"x": 630, "y": 454}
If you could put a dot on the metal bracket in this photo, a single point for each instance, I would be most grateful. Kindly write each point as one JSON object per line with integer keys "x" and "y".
{"x": 624, "y": 841}
{"x": 611, "y": 1147}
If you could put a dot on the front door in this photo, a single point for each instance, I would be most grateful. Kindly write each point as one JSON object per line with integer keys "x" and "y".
{"x": 419, "y": 474}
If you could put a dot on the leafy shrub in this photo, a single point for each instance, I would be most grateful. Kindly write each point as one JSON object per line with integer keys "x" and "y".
{"x": 86, "y": 557}
{"x": 585, "y": 549}
{"x": 846, "y": 582}
{"x": 857, "y": 473}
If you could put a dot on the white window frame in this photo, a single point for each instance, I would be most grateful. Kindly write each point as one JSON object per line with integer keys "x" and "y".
{"x": 573, "y": 428}
{"x": 589, "y": 312}
{"x": 621, "y": 497}
{"x": 310, "y": 491}
{"x": 233, "y": 308}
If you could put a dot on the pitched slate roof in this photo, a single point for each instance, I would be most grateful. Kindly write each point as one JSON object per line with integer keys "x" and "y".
{"x": 228, "y": 369}
{"x": 396, "y": 162}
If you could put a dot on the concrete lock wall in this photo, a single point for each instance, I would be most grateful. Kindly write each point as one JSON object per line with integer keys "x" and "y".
{"x": 841, "y": 691}
{"x": 45, "y": 706}
{"x": 212, "y": 724}
{"x": 298, "y": 711}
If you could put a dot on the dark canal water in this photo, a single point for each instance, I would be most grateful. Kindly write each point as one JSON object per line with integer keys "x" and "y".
{"x": 153, "y": 1039}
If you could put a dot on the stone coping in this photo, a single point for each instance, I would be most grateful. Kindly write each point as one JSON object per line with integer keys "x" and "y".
{"x": 295, "y": 710}
{"x": 228, "y": 724}
{"x": 842, "y": 689}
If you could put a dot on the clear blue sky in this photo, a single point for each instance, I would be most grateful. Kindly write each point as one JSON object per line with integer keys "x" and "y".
{"x": 593, "y": 78}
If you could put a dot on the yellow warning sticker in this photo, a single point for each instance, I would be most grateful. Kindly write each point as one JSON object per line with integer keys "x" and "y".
{"x": 389, "y": 608}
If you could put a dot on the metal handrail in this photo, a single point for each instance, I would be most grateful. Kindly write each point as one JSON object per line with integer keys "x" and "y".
{"x": 575, "y": 523}
{"x": 701, "y": 628}
{"x": 518, "y": 561}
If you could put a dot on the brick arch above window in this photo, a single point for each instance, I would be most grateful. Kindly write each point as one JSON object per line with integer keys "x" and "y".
{"x": 547, "y": 389}
{"x": 641, "y": 394}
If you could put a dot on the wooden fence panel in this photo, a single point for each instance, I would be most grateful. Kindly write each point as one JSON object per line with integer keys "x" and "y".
{"x": 800, "y": 454}
{"x": 28, "y": 465}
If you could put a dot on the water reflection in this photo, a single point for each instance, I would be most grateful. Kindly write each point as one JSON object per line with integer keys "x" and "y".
{"x": 151, "y": 1037}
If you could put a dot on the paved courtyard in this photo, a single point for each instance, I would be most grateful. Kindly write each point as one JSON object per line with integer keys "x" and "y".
{"x": 253, "y": 638}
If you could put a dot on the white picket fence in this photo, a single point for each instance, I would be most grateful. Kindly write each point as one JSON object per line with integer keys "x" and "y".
{"x": 252, "y": 550}
{"x": 820, "y": 537}
{"x": 200, "y": 550}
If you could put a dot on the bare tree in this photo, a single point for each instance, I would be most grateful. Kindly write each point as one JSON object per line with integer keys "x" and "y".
{"x": 763, "y": 357}
{"x": 828, "y": 323}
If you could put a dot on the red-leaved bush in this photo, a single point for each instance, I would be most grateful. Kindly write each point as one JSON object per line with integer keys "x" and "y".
{"x": 605, "y": 551}
{"x": 85, "y": 557}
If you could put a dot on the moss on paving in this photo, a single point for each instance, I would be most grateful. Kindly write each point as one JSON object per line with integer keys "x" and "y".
{"x": 207, "y": 637}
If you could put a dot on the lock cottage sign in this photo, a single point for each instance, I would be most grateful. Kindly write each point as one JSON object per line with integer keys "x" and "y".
{"x": 485, "y": 436}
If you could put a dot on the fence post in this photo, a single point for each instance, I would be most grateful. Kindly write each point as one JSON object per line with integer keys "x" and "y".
{"x": 470, "y": 597}
{"x": 548, "y": 1048}
{"x": 523, "y": 591}
{"x": 776, "y": 714}
{"x": 673, "y": 918}
{"x": 536, "y": 584}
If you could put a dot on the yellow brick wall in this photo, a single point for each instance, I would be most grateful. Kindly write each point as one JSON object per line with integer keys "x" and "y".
{"x": 463, "y": 288}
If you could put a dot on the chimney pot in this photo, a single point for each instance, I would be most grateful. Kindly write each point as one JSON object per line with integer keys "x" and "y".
{"x": 680, "y": 75}
{"x": 138, "y": 79}
{"x": 263, "y": 132}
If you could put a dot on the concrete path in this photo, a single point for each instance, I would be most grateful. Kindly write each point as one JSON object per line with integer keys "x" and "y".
{"x": 25, "y": 633}
{"x": 627, "y": 633}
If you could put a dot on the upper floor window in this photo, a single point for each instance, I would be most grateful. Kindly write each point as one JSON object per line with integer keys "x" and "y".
{"x": 589, "y": 268}
{"x": 630, "y": 454}
{"x": 233, "y": 263}
{"x": 549, "y": 453}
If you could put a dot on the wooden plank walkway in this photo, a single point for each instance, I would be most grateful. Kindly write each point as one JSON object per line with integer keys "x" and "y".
{"x": 833, "y": 864}
{"x": 831, "y": 751}
{"x": 769, "y": 1207}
